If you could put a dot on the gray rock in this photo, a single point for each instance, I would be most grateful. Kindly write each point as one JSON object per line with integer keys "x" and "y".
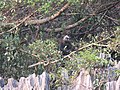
{"x": 1, "y": 82}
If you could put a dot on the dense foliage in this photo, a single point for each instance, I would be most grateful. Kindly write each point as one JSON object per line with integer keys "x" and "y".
{"x": 29, "y": 30}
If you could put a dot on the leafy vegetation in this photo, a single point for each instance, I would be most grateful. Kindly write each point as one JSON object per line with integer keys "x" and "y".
{"x": 93, "y": 25}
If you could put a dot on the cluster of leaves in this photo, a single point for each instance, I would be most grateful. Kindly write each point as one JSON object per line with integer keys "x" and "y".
{"x": 85, "y": 59}
{"x": 5, "y": 4}
{"x": 45, "y": 50}
{"x": 91, "y": 58}
{"x": 13, "y": 62}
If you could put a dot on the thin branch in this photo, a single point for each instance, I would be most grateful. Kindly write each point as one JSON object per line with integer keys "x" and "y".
{"x": 12, "y": 29}
{"x": 115, "y": 20}
{"x": 98, "y": 21}
{"x": 7, "y": 24}
{"x": 33, "y": 65}
{"x": 107, "y": 7}
{"x": 69, "y": 14}
{"x": 42, "y": 61}
{"x": 99, "y": 45}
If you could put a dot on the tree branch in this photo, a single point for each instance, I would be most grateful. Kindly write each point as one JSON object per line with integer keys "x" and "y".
{"x": 69, "y": 26}
{"x": 44, "y": 20}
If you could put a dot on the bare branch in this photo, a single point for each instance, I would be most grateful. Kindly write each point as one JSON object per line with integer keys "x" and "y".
{"x": 44, "y": 20}
{"x": 69, "y": 26}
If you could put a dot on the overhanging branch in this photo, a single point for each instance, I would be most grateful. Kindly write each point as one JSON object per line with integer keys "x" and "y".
{"x": 44, "y": 20}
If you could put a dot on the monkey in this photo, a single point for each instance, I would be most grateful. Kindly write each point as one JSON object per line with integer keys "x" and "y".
{"x": 65, "y": 45}
{"x": 115, "y": 55}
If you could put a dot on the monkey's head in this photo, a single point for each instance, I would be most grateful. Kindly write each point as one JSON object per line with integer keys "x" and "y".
{"x": 66, "y": 38}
